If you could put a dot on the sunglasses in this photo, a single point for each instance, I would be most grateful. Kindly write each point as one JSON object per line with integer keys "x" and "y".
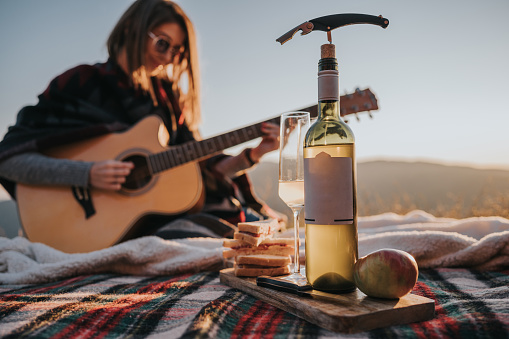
{"x": 162, "y": 44}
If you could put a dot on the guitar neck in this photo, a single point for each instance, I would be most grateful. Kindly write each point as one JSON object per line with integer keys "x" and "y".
{"x": 358, "y": 101}
{"x": 199, "y": 150}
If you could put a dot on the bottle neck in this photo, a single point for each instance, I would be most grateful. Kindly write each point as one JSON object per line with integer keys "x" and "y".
{"x": 328, "y": 110}
{"x": 328, "y": 89}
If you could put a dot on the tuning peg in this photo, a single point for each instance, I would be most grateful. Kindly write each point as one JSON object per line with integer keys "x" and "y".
{"x": 370, "y": 115}
{"x": 357, "y": 117}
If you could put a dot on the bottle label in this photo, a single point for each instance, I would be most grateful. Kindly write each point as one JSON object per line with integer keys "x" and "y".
{"x": 328, "y": 187}
{"x": 328, "y": 85}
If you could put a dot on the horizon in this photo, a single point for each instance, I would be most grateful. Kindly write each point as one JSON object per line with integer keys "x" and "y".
{"x": 418, "y": 161}
{"x": 5, "y": 196}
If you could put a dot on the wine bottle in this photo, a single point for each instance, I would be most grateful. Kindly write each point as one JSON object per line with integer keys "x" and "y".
{"x": 330, "y": 188}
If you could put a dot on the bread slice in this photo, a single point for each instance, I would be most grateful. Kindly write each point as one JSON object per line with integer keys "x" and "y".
{"x": 254, "y": 232}
{"x": 268, "y": 226}
{"x": 251, "y": 238}
{"x": 242, "y": 271}
{"x": 263, "y": 260}
{"x": 276, "y": 249}
{"x": 236, "y": 243}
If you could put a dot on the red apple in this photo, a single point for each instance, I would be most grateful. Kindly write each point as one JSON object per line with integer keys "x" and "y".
{"x": 387, "y": 273}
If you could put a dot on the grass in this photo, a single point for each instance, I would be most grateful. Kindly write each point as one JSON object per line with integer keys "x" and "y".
{"x": 454, "y": 206}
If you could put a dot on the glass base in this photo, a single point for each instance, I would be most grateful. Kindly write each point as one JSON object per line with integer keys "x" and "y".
{"x": 341, "y": 291}
{"x": 292, "y": 283}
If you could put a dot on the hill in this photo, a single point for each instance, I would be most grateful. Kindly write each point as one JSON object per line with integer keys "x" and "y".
{"x": 390, "y": 186}
{"x": 448, "y": 191}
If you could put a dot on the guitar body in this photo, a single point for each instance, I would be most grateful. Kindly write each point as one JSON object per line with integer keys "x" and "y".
{"x": 166, "y": 181}
{"x": 53, "y": 215}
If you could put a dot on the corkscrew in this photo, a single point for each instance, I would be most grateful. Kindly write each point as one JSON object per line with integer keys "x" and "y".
{"x": 330, "y": 22}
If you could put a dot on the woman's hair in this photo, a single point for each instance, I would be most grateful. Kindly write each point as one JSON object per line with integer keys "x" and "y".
{"x": 131, "y": 34}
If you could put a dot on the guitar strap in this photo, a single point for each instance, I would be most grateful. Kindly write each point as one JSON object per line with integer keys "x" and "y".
{"x": 84, "y": 198}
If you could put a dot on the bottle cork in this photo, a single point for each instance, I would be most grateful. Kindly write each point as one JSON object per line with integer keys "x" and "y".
{"x": 328, "y": 51}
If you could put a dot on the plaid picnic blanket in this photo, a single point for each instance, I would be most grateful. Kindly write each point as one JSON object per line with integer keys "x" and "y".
{"x": 469, "y": 304}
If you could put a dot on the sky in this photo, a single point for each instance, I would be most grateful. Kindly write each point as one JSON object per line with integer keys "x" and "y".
{"x": 440, "y": 71}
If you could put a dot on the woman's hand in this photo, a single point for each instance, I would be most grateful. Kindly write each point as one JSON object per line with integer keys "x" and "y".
{"x": 109, "y": 174}
{"x": 270, "y": 141}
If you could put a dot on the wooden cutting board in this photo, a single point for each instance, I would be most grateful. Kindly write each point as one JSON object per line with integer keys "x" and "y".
{"x": 348, "y": 313}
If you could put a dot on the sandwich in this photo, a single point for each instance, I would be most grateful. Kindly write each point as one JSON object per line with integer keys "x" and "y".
{"x": 256, "y": 252}
{"x": 248, "y": 271}
{"x": 273, "y": 246}
{"x": 255, "y": 232}
{"x": 271, "y": 257}
{"x": 263, "y": 260}
{"x": 255, "y": 265}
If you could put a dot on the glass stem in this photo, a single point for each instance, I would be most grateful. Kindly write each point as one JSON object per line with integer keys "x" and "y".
{"x": 296, "y": 257}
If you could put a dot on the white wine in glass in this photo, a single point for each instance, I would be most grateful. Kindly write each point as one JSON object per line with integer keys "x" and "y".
{"x": 291, "y": 169}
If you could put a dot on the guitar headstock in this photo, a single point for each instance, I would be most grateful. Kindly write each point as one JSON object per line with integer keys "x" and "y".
{"x": 359, "y": 101}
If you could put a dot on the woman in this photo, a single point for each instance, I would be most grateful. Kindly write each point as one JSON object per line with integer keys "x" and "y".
{"x": 152, "y": 70}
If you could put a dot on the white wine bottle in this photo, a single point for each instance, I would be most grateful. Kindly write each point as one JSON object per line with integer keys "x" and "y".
{"x": 330, "y": 184}
{"x": 330, "y": 188}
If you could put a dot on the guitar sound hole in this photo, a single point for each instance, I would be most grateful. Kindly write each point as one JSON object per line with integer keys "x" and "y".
{"x": 140, "y": 176}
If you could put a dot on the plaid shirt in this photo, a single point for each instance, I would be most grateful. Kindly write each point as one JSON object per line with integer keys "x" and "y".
{"x": 91, "y": 100}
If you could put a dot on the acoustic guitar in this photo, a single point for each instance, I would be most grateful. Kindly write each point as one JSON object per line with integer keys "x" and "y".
{"x": 166, "y": 181}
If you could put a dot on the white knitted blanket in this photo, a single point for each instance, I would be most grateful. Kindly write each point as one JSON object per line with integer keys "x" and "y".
{"x": 481, "y": 243}
{"x": 25, "y": 262}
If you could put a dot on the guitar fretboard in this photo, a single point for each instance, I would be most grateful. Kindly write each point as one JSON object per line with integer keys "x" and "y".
{"x": 358, "y": 101}
{"x": 198, "y": 150}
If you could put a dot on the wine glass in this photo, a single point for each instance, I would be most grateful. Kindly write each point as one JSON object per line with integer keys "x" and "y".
{"x": 291, "y": 169}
